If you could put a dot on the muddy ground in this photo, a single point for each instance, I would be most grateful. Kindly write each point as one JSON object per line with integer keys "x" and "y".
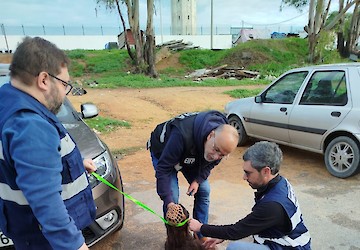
{"x": 330, "y": 205}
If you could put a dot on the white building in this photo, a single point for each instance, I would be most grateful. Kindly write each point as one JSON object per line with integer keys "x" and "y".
{"x": 183, "y": 17}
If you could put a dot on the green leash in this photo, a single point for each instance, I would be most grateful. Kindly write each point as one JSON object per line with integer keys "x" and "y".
{"x": 136, "y": 201}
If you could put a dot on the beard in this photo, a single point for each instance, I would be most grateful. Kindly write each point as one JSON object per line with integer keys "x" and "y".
{"x": 208, "y": 157}
{"x": 53, "y": 100}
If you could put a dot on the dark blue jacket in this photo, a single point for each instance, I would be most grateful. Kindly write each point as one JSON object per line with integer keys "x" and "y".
{"x": 180, "y": 142}
{"x": 44, "y": 191}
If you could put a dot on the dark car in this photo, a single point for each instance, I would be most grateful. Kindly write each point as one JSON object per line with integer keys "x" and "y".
{"x": 110, "y": 206}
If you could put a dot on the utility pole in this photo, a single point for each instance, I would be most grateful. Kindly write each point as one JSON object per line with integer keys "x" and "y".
{"x": 211, "y": 25}
{"x": 161, "y": 28}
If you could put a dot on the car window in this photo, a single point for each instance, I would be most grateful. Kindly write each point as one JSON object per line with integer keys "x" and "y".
{"x": 285, "y": 89}
{"x": 326, "y": 88}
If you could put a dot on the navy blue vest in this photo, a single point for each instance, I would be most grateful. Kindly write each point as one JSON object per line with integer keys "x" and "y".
{"x": 77, "y": 194}
{"x": 298, "y": 237}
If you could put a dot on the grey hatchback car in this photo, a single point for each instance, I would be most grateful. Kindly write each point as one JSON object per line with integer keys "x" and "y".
{"x": 314, "y": 108}
{"x": 110, "y": 206}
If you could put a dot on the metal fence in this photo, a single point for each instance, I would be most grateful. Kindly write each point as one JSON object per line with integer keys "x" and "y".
{"x": 25, "y": 30}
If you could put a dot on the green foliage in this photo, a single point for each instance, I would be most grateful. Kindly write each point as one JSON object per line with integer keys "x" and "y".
{"x": 86, "y": 62}
{"x": 105, "y": 125}
{"x": 198, "y": 59}
{"x": 243, "y": 93}
{"x": 269, "y": 57}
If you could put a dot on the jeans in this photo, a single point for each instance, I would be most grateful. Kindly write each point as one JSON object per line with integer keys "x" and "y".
{"x": 243, "y": 245}
{"x": 201, "y": 198}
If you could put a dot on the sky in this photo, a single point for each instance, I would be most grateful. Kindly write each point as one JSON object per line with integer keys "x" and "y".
{"x": 226, "y": 13}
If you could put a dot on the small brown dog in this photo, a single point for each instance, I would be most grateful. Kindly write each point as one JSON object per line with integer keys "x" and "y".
{"x": 180, "y": 237}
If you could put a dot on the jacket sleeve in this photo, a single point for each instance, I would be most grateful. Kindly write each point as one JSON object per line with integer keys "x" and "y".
{"x": 264, "y": 216}
{"x": 34, "y": 146}
{"x": 169, "y": 158}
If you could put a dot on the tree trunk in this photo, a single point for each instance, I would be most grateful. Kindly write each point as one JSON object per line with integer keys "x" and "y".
{"x": 149, "y": 48}
{"x": 340, "y": 34}
{"x": 311, "y": 30}
{"x": 354, "y": 28}
{"x": 131, "y": 55}
{"x": 133, "y": 15}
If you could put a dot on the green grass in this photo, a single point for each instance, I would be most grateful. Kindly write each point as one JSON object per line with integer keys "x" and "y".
{"x": 243, "y": 93}
{"x": 105, "y": 125}
{"x": 111, "y": 68}
{"x": 198, "y": 59}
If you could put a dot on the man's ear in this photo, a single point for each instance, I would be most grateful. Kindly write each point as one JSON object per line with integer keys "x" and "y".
{"x": 43, "y": 81}
{"x": 211, "y": 134}
{"x": 267, "y": 170}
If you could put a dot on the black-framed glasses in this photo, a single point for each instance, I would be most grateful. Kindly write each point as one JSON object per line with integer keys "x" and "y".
{"x": 217, "y": 150}
{"x": 67, "y": 85}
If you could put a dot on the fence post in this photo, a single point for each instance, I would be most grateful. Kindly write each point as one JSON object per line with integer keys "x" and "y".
{"x": 3, "y": 31}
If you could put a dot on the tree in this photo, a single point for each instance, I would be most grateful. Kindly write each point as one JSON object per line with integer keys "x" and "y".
{"x": 144, "y": 58}
{"x": 354, "y": 28}
{"x": 318, "y": 12}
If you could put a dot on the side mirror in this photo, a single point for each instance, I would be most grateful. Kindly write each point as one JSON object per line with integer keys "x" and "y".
{"x": 88, "y": 110}
{"x": 258, "y": 99}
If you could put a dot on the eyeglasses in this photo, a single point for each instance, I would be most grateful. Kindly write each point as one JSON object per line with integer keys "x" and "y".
{"x": 217, "y": 150}
{"x": 67, "y": 85}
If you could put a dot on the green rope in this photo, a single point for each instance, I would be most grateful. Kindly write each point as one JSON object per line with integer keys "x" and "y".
{"x": 136, "y": 201}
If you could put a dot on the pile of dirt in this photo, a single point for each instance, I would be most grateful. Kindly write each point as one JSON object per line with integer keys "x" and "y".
{"x": 171, "y": 61}
{"x": 245, "y": 58}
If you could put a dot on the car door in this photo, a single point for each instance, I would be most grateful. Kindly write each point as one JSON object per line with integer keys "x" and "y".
{"x": 269, "y": 115}
{"x": 323, "y": 105}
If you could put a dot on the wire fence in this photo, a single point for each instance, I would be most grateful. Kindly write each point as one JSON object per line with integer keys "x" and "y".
{"x": 27, "y": 30}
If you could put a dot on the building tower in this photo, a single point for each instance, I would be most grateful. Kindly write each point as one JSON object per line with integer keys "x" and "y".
{"x": 183, "y": 17}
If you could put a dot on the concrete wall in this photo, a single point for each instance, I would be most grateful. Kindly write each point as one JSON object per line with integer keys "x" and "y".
{"x": 98, "y": 42}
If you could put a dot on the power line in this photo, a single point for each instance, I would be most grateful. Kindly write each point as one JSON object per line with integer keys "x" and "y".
{"x": 269, "y": 24}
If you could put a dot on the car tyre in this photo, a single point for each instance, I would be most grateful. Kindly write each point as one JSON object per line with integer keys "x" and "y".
{"x": 237, "y": 124}
{"x": 342, "y": 157}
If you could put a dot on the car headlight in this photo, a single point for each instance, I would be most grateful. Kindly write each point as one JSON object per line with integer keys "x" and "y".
{"x": 103, "y": 168}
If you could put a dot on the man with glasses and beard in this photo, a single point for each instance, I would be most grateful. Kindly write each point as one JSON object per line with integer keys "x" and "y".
{"x": 275, "y": 221}
{"x": 192, "y": 143}
{"x": 45, "y": 197}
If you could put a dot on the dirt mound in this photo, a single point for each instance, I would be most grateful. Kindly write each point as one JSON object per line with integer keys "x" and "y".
{"x": 171, "y": 61}
{"x": 245, "y": 58}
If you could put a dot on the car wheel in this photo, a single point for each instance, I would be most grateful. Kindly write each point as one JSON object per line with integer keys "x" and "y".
{"x": 237, "y": 124}
{"x": 342, "y": 157}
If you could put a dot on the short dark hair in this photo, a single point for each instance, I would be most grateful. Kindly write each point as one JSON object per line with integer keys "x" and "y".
{"x": 34, "y": 55}
{"x": 264, "y": 154}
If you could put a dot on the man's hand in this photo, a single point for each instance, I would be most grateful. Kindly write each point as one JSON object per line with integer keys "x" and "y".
{"x": 170, "y": 204}
{"x": 210, "y": 243}
{"x": 195, "y": 225}
{"x": 193, "y": 188}
{"x": 89, "y": 165}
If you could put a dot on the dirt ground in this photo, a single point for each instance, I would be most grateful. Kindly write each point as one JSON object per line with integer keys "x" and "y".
{"x": 327, "y": 204}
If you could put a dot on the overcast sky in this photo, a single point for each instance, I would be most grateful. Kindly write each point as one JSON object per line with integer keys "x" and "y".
{"x": 227, "y": 13}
